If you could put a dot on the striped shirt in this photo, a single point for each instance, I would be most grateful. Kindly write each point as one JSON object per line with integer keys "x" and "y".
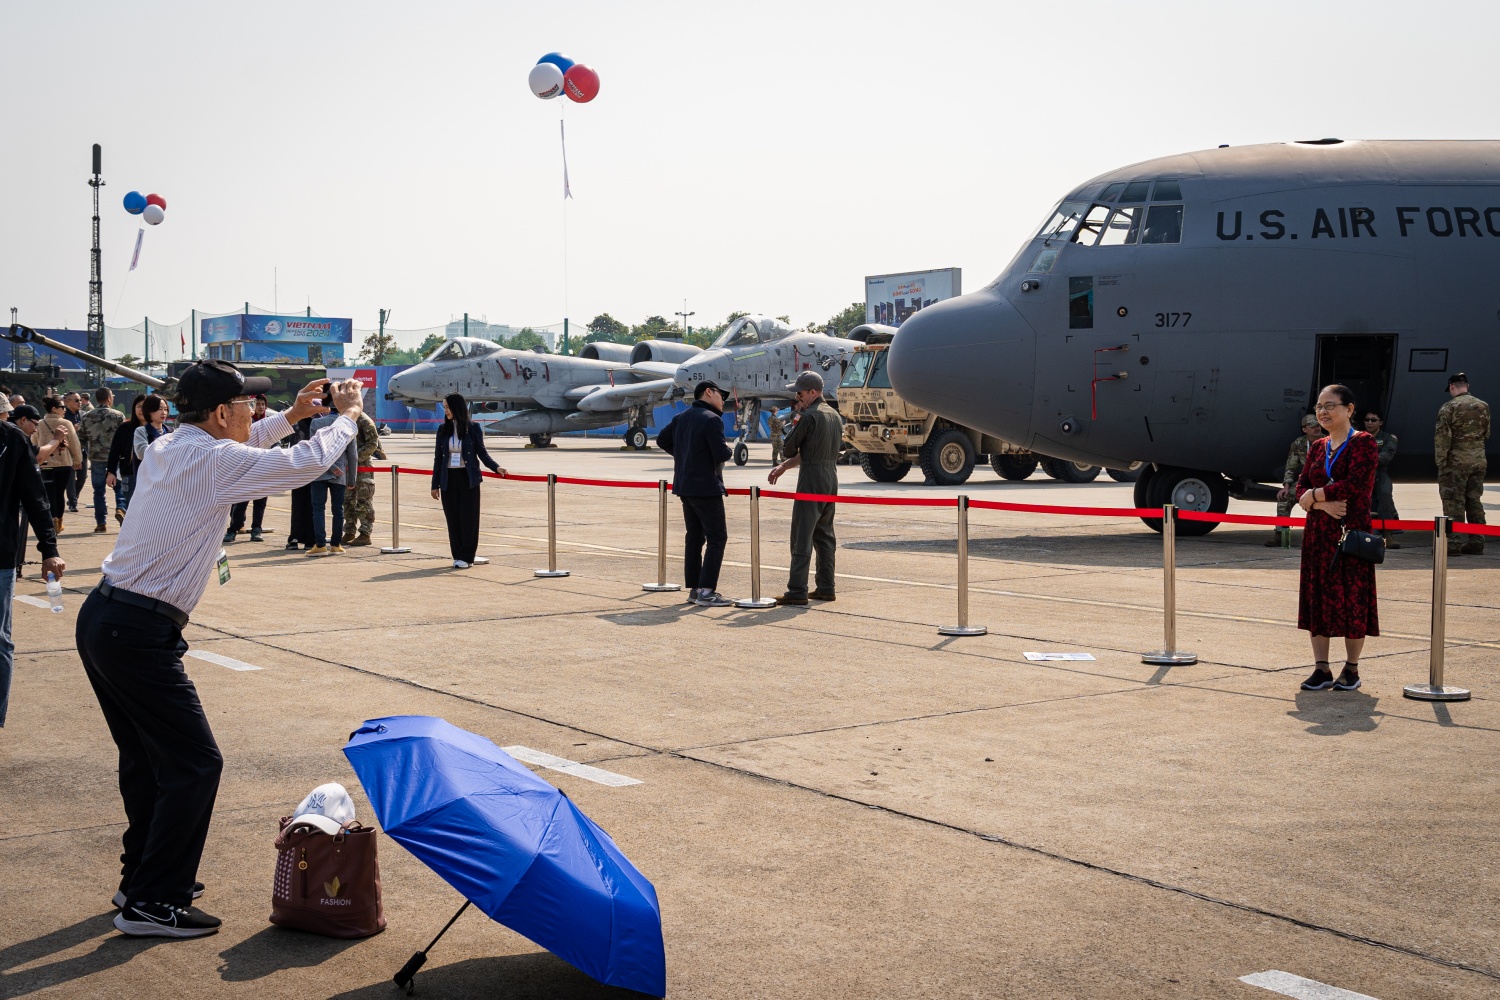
{"x": 184, "y": 489}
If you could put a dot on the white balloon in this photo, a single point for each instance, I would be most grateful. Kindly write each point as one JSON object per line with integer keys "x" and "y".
{"x": 546, "y": 81}
{"x": 153, "y": 215}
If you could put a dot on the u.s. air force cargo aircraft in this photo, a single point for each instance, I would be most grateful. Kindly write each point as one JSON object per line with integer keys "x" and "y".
{"x": 1186, "y": 310}
{"x": 547, "y": 393}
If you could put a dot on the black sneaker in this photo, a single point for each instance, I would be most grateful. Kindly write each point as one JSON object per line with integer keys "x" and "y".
{"x": 119, "y": 901}
{"x": 692, "y": 595}
{"x": 712, "y": 599}
{"x": 1321, "y": 680}
{"x": 162, "y": 920}
{"x": 1348, "y": 680}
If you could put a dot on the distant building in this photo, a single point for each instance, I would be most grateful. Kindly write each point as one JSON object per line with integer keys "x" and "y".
{"x": 498, "y": 332}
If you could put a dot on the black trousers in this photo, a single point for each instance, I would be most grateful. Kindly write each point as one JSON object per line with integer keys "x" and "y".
{"x": 461, "y": 511}
{"x": 301, "y": 529}
{"x": 169, "y": 762}
{"x": 57, "y": 482}
{"x": 76, "y": 480}
{"x": 703, "y": 549}
{"x": 237, "y": 515}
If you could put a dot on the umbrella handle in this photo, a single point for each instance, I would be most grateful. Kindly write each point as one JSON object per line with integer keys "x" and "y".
{"x": 409, "y": 970}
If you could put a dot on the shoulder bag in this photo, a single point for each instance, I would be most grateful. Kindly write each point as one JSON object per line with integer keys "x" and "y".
{"x": 1360, "y": 545}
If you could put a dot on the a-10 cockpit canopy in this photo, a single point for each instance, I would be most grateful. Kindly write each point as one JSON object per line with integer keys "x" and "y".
{"x": 462, "y": 347}
{"x": 753, "y": 329}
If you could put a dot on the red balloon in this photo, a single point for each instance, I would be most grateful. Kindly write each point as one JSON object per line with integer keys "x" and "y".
{"x": 158, "y": 200}
{"x": 581, "y": 84}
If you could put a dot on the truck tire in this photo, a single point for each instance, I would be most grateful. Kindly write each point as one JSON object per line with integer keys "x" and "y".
{"x": 1015, "y": 467}
{"x": 948, "y": 457}
{"x": 1127, "y": 475}
{"x": 1070, "y": 472}
{"x": 883, "y": 468}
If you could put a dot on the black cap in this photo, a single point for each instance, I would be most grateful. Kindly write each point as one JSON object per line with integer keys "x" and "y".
{"x": 704, "y": 386}
{"x": 1458, "y": 378}
{"x": 25, "y": 410}
{"x": 206, "y": 384}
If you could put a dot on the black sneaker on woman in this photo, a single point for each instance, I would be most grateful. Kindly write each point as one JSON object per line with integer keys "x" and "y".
{"x": 1321, "y": 680}
{"x": 1348, "y": 679}
{"x": 165, "y": 920}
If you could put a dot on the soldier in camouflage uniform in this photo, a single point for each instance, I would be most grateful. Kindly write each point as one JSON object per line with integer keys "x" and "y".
{"x": 1463, "y": 426}
{"x": 1296, "y": 458}
{"x": 359, "y": 507}
{"x": 1384, "y": 501}
{"x": 778, "y": 431}
{"x": 96, "y": 431}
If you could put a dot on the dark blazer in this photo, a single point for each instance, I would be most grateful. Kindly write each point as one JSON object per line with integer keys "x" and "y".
{"x": 122, "y": 451}
{"x": 21, "y": 488}
{"x": 474, "y": 453}
{"x": 695, "y": 440}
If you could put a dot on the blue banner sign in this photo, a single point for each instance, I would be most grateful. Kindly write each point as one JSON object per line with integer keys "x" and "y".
{"x": 277, "y": 329}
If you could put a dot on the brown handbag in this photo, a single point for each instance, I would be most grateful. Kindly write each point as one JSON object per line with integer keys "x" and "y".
{"x": 325, "y": 883}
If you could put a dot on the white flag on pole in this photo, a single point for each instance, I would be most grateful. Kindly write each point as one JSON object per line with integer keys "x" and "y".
{"x": 562, "y": 129}
{"x": 135, "y": 257}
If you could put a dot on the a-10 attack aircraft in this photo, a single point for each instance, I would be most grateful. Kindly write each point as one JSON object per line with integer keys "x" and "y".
{"x": 1187, "y": 310}
{"x": 547, "y": 393}
{"x": 754, "y": 359}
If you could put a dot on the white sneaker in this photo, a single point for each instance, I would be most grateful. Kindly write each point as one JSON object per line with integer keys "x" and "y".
{"x": 481, "y": 561}
{"x": 460, "y": 564}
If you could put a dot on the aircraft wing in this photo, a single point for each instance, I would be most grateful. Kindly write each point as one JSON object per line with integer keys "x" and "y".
{"x": 619, "y": 397}
{"x": 661, "y": 369}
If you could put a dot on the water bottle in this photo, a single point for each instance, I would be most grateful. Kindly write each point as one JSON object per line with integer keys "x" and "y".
{"x": 54, "y": 594}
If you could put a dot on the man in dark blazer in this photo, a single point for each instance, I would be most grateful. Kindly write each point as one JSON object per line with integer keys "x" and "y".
{"x": 695, "y": 440}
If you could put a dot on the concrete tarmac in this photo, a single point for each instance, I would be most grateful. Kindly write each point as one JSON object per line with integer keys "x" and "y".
{"x": 833, "y": 801}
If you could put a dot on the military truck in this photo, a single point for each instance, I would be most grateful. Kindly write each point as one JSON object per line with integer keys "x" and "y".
{"x": 891, "y": 435}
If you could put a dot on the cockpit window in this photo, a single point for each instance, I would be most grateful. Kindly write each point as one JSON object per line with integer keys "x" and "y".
{"x": 1163, "y": 224}
{"x": 1092, "y": 226}
{"x": 879, "y": 379}
{"x": 1044, "y": 261}
{"x": 1135, "y": 191}
{"x": 859, "y": 367}
{"x": 480, "y": 348}
{"x": 451, "y": 351}
{"x": 753, "y": 330}
{"x": 1064, "y": 220}
{"x": 1123, "y": 228}
{"x": 1113, "y": 191}
{"x": 1167, "y": 191}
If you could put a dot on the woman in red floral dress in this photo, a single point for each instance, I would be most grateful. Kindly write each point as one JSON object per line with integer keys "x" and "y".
{"x": 1337, "y": 593}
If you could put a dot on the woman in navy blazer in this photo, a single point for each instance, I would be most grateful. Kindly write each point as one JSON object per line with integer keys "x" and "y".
{"x": 456, "y": 479}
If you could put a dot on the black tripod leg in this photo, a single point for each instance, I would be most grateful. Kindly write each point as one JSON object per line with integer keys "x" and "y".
{"x": 409, "y": 970}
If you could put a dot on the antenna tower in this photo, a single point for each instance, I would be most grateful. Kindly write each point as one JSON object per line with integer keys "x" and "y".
{"x": 96, "y": 279}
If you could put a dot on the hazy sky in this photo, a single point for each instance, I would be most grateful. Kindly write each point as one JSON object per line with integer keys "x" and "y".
{"x": 762, "y": 156}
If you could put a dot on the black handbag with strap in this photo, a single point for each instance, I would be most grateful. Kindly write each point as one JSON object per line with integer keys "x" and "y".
{"x": 1358, "y": 544}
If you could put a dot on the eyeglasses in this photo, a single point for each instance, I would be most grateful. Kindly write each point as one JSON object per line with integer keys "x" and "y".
{"x": 246, "y": 399}
{"x": 1372, "y": 420}
{"x": 1329, "y": 407}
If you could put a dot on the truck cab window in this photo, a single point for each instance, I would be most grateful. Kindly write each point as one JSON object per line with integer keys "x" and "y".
{"x": 859, "y": 367}
{"x": 878, "y": 377}
{"x": 1163, "y": 224}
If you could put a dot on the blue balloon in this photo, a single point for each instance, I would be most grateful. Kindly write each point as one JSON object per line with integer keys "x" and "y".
{"x": 135, "y": 203}
{"x": 557, "y": 59}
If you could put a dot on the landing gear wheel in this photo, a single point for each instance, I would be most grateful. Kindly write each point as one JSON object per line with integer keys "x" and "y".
{"x": 1015, "y": 467}
{"x": 1127, "y": 475}
{"x": 741, "y": 453}
{"x": 541, "y": 440}
{"x": 948, "y": 458}
{"x": 883, "y": 468}
{"x": 637, "y": 438}
{"x": 1186, "y": 489}
{"x": 1070, "y": 472}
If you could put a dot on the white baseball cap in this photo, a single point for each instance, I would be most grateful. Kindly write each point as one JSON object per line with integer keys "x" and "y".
{"x": 327, "y": 807}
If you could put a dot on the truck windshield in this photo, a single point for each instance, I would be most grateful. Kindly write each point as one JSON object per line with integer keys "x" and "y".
{"x": 878, "y": 377}
{"x": 859, "y": 367}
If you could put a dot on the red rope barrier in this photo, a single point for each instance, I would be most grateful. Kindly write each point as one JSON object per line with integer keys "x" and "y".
{"x": 873, "y": 501}
{"x": 1464, "y": 528}
{"x": 625, "y": 484}
{"x": 1039, "y": 508}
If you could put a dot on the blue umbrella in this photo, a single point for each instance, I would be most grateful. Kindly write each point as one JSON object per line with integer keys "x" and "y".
{"x": 515, "y": 846}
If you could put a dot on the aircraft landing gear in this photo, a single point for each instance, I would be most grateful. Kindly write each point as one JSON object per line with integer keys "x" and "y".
{"x": 637, "y": 438}
{"x": 1187, "y": 489}
{"x": 541, "y": 440}
{"x": 741, "y": 453}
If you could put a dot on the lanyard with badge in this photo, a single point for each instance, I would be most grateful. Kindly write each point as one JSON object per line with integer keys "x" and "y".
{"x": 223, "y": 566}
{"x": 1332, "y": 457}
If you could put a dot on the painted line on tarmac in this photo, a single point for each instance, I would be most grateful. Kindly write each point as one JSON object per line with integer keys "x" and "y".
{"x": 222, "y": 661}
{"x": 577, "y": 770}
{"x": 35, "y": 602}
{"x": 1302, "y": 989}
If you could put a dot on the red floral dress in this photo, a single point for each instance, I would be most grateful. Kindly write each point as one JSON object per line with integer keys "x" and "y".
{"x": 1337, "y": 598}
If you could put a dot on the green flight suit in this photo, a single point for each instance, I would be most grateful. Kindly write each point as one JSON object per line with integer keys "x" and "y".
{"x": 817, "y": 438}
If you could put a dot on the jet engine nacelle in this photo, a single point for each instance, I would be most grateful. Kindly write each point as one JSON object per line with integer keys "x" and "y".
{"x": 670, "y": 351}
{"x": 604, "y": 351}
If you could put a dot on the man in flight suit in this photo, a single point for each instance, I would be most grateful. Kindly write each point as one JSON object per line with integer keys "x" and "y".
{"x": 1384, "y": 501}
{"x": 1463, "y": 426}
{"x": 812, "y": 448}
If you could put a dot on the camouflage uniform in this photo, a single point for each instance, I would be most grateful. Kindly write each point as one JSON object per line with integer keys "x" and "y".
{"x": 359, "y": 504}
{"x": 1296, "y": 458}
{"x": 1463, "y": 426}
{"x": 778, "y": 430}
{"x": 96, "y": 431}
{"x": 1385, "y": 497}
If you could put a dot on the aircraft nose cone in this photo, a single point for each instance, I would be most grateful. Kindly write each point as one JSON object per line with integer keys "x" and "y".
{"x": 700, "y": 367}
{"x": 969, "y": 359}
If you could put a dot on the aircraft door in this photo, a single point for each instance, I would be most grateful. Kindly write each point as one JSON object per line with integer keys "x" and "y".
{"x": 1363, "y": 362}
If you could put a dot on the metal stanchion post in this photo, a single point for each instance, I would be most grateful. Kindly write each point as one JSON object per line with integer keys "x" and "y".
{"x": 755, "y": 601}
{"x": 1169, "y": 655}
{"x": 963, "y": 627}
{"x": 1434, "y": 690}
{"x": 395, "y": 548}
{"x": 551, "y": 569}
{"x": 661, "y": 585}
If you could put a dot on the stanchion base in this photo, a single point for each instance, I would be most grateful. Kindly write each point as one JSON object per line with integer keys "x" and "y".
{"x": 387, "y": 551}
{"x": 1170, "y": 658}
{"x": 660, "y": 588}
{"x": 550, "y": 573}
{"x": 963, "y": 630}
{"x": 755, "y": 603}
{"x": 1443, "y": 692}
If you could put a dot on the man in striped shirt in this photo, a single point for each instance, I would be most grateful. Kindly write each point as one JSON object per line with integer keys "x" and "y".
{"x": 129, "y": 631}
